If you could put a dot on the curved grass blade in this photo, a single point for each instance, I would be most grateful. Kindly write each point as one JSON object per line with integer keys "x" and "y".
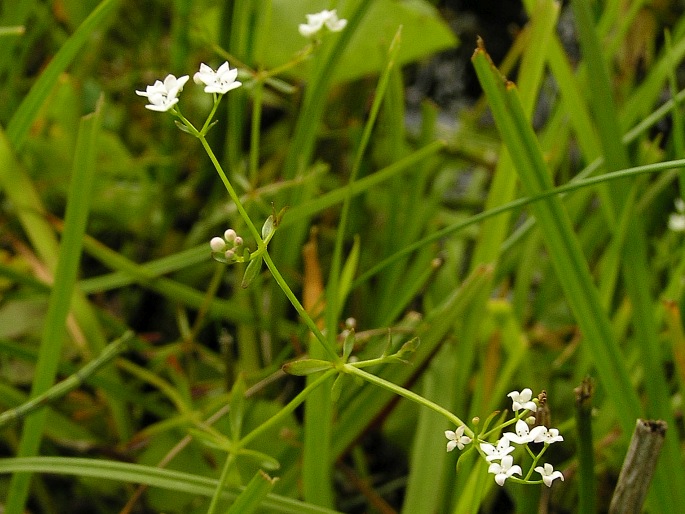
{"x": 155, "y": 477}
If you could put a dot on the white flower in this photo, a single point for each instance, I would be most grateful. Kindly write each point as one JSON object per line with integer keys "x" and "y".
{"x": 548, "y": 436}
{"x": 523, "y": 434}
{"x": 502, "y": 450}
{"x": 676, "y": 222}
{"x": 504, "y": 469}
{"x": 220, "y": 81}
{"x": 315, "y": 23}
{"x": 522, "y": 400}
{"x": 457, "y": 439}
{"x": 163, "y": 95}
{"x": 548, "y": 474}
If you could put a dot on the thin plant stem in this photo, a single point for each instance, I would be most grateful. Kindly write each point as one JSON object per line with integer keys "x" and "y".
{"x": 223, "y": 479}
{"x": 285, "y": 411}
{"x": 68, "y": 384}
{"x": 409, "y": 395}
{"x": 261, "y": 245}
{"x": 299, "y": 308}
{"x": 231, "y": 191}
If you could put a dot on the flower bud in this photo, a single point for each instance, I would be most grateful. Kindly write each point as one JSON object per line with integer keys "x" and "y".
{"x": 217, "y": 244}
{"x": 230, "y": 235}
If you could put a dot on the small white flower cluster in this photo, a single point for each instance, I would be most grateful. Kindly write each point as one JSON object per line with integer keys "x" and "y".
{"x": 498, "y": 455}
{"x": 227, "y": 245}
{"x": 676, "y": 221}
{"x": 164, "y": 95}
{"x": 316, "y": 22}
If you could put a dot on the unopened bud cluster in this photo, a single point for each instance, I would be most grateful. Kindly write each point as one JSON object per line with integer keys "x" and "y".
{"x": 228, "y": 245}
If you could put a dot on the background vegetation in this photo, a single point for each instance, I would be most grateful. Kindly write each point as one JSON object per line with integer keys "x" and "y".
{"x": 413, "y": 222}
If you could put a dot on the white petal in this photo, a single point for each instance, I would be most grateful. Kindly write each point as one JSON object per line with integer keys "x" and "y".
{"x": 307, "y": 30}
{"x": 224, "y": 68}
{"x": 336, "y": 25}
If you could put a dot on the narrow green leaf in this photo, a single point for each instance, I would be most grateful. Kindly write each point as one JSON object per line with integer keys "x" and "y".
{"x": 669, "y": 484}
{"x": 68, "y": 384}
{"x": 348, "y": 344}
{"x": 306, "y": 366}
{"x": 347, "y": 274}
{"x": 253, "y": 269}
{"x": 268, "y": 228}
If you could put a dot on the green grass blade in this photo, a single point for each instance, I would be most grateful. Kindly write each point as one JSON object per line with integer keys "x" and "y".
{"x": 565, "y": 252}
{"x": 52, "y": 339}
{"x": 669, "y": 482}
{"x": 503, "y": 188}
{"x": 155, "y": 477}
{"x": 19, "y": 125}
{"x": 407, "y": 164}
{"x": 254, "y": 494}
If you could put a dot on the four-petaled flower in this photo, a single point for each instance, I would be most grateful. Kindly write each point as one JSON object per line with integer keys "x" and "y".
{"x": 220, "y": 81}
{"x": 164, "y": 95}
{"x": 495, "y": 453}
{"x": 548, "y": 436}
{"x": 457, "y": 439}
{"x": 676, "y": 221}
{"x": 522, "y": 400}
{"x": 504, "y": 469}
{"x": 315, "y": 23}
{"x": 523, "y": 434}
{"x": 548, "y": 474}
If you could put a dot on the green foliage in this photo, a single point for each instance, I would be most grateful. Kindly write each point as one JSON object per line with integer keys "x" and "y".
{"x": 413, "y": 272}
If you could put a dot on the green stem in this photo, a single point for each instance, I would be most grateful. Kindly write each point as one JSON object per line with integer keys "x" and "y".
{"x": 406, "y": 393}
{"x": 257, "y": 97}
{"x": 261, "y": 245}
{"x": 299, "y": 308}
{"x": 205, "y": 127}
{"x": 225, "y": 472}
{"x": 231, "y": 191}
{"x": 285, "y": 411}
{"x": 68, "y": 384}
